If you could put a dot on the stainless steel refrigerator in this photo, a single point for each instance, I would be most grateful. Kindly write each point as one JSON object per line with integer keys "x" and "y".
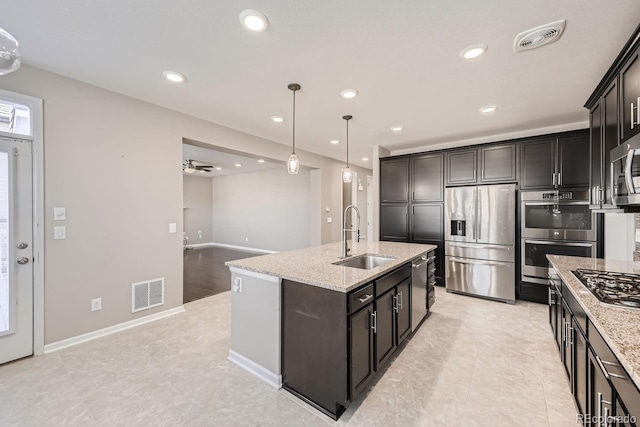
{"x": 480, "y": 241}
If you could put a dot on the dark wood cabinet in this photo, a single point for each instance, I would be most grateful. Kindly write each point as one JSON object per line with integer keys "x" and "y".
{"x": 403, "y": 310}
{"x": 384, "y": 327}
{"x": 604, "y": 135}
{"x": 537, "y": 164}
{"x": 573, "y": 167}
{"x": 394, "y": 222}
{"x": 555, "y": 162}
{"x": 600, "y": 393}
{"x": 362, "y": 353}
{"x": 427, "y": 223}
{"x": 579, "y": 371}
{"x": 427, "y": 175}
{"x": 629, "y": 96}
{"x": 498, "y": 164}
{"x": 394, "y": 180}
{"x": 462, "y": 167}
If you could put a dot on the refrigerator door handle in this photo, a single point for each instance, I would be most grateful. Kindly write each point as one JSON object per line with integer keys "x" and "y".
{"x": 478, "y": 246}
{"x": 479, "y": 262}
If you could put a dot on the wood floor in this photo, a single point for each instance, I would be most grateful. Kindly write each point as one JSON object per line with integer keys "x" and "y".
{"x": 205, "y": 273}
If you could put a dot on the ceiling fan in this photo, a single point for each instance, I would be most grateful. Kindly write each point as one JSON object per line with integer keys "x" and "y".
{"x": 190, "y": 166}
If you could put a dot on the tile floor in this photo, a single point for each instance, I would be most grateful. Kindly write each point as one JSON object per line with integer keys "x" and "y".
{"x": 472, "y": 363}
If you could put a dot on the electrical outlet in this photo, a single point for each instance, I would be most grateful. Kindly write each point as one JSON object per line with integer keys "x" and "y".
{"x": 329, "y": 220}
{"x": 246, "y": 239}
{"x": 237, "y": 284}
{"x": 96, "y": 304}
{"x": 200, "y": 234}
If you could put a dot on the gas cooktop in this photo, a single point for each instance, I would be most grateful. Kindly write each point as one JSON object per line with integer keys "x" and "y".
{"x": 616, "y": 289}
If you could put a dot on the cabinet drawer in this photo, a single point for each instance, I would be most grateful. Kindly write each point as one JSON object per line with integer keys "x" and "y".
{"x": 575, "y": 308}
{"x": 431, "y": 269}
{"x": 387, "y": 282}
{"x": 361, "y": 298}
{"x": 627, "y": 391}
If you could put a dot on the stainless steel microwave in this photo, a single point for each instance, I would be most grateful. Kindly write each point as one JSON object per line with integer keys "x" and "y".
{"x": 625, "y": 168}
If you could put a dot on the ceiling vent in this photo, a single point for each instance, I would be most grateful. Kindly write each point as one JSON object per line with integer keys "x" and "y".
{"x": 539, "y": 36}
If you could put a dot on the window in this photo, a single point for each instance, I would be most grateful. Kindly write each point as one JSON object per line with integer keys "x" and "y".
{"x": 15, "y": 118}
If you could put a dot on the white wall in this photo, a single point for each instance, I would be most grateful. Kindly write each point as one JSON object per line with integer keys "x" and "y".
{"x": 198, "y": 208}
{"x": 262, "y": 210}
{"x": 118, "y": 212}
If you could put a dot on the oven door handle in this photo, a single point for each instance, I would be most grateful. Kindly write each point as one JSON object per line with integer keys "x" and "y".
{"x": 559, "y": 202}
{"x": 549, "y": 242}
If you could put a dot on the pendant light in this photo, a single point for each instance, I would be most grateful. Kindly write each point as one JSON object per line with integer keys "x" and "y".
{"x": 9, "y": 54}
{"x": 346, "y": 172}
{"x": 293, "y": 164}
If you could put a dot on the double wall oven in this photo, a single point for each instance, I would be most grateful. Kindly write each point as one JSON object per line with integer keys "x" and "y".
{"x": 555, "y": 222}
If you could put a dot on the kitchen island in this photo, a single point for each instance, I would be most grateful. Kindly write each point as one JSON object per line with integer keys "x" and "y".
{"x": 599, "y": 344}
{"x": 319, "y": 329}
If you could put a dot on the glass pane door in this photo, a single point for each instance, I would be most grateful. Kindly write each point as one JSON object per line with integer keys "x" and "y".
{"x": 5, "y": 294}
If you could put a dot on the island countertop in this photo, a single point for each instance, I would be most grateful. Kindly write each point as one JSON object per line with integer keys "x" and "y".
{"x": 314, "y": 265}
{"x": 620, "y": 327}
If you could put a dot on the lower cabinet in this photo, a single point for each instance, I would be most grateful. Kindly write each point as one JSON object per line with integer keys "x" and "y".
{"x": 334, "y": 343}
{"x": 604, "y": 393}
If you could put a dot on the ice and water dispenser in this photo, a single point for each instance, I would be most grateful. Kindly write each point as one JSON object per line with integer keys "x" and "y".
{"x": 458, "y": 225}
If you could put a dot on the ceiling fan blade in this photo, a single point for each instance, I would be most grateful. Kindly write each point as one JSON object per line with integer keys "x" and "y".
{"x": 204, "y": 167}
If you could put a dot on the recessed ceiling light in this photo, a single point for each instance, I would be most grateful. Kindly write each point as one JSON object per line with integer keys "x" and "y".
{"x": 260, "y": 160}
{"x": 277, "y": 119}
{"x": 397, "y": 128}
{"x": 334, "y": 141}
{"x": 365, "y": 159}
{"x": 218, "y": 168}
{"x": 349, "y": 93}
{"x": 254, "y": 20}
{"x": 473, "y": 51}
{"x": 238, "y": 165}
{"x": 488, "y": 109}
{"x": 173, "y": 77}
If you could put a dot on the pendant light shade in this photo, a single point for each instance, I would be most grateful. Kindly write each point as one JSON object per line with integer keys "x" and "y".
{"x": 347, "y": 176}
{"x": 293, "y": 164}
{"x": 9, "y": 54}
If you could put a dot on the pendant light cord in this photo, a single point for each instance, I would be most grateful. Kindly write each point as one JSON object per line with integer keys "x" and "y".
{"x": 347, "y": 143}
{"x": 294, "y": 122}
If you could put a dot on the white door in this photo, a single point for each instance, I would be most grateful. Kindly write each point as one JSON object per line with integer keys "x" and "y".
{"x": 16, "y": 249}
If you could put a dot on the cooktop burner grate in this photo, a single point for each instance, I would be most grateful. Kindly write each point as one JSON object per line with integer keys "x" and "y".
{"x": 611, "y": 288}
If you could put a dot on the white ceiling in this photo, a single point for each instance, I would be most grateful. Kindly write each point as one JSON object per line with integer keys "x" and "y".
{"x": 227, "y": 161}
{"x": 401, "y": 56}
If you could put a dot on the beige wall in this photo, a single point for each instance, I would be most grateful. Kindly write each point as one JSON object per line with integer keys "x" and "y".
{"x": 97, "y": 150}
{"x": 197, "y": 208}
{"x": 262, "y": 210}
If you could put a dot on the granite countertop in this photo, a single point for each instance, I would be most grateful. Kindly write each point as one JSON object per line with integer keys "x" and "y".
{"x": 314, "y": 266}
{"x": 620, "y": 327}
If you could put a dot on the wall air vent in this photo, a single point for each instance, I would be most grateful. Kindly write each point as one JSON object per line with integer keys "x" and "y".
{"x": 539, "y": 36}
{"x": 145, "y": 295}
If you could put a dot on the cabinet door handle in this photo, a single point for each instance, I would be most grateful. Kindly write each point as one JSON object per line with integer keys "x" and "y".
{"x": 602, "y": 368}
{"x": 395, "y": 303}
{"x": 569, "y": 331}
{"x": 553, "y": 179}
{"x": 365, "y": 298}
{"x": 374, "y": 322}
{"x": 559, "y": 178}
{"x": 400, "y": 303}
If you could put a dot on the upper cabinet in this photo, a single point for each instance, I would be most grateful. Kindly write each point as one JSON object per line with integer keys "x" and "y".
{"x": 394, "y": 180}
{"x": 498, "y": 164}
{"x": 484, "y": 165}
{"x": 461, "y": 167}
{"x": 630, "y": 96}
{"x": 604, "y": 134}
{"x": 555, "y": 162}
{"x": 427, "y": 173}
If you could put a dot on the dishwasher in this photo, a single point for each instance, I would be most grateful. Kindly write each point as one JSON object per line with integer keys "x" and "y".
{"x": 419, "y": 305}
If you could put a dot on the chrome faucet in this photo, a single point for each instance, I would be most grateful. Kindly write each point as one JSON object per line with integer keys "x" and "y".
{"x": 345, "y": 230}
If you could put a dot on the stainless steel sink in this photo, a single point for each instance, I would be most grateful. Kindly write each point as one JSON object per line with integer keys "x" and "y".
{"x": 365, "y": 261}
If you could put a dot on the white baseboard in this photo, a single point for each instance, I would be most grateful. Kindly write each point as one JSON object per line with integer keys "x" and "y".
{"x": 200, "y": 245}
{"x": 274, "y": 380}
{"x": 59, "y": 345}
{"x": 244, "y": 248}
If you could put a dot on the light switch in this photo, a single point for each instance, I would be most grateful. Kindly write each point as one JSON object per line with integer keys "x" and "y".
{"x": 173, "y": 227}
{"x": 59, "y": 214}
{"x": 327, "y": 209}
{"x": 329, "y": 220}
{"x": 59, "y": 232}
